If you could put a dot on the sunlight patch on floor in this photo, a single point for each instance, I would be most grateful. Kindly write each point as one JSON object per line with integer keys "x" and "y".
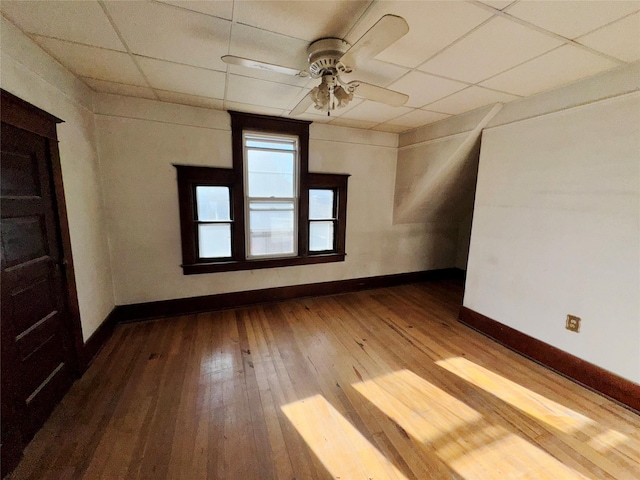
{"x": 422, "y": 409}
{"x": 458, "y": 435}
{"x": 511, "y": 456}
{"x": 342, "y": 449}
{"x": 531, "y": 403}
{"x": 608, "y": 440}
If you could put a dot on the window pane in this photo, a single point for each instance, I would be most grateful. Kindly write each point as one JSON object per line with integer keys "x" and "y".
{"x": 320, "y": 204}
{"x": 271, "y": 229}
{"x": 212, "y": 203}
{"x": 214, "y": 240}
{"x": 271, "y": 174}
{"x": 320, "y": 236}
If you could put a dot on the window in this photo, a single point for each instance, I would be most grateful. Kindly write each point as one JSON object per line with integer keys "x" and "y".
{"x": 271, "y": 195}
{"x": 213, "y": 217}
{"x": 322, "y": 220}
{"x": 266, "y": 211}
{"x": 327, "y": 212}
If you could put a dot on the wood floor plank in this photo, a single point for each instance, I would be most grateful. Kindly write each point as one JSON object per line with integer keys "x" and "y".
{"x": 382, "y": 384}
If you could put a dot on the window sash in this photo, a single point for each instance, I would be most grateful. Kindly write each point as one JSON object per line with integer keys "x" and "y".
{"x": 334, "y": 229}
{"x": 248, "y": 231}
{"x": 199, "y": 248}
{"x": 275, "y": 139}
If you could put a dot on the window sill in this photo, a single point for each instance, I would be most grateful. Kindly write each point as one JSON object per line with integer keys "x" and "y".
{"x": 230, "y": 266}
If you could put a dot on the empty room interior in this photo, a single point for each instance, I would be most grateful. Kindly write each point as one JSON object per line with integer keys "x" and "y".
{"x": 341, "y": 239}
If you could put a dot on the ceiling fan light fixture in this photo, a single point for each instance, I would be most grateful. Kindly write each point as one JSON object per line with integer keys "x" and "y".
{"x": 330, "y": 95}
{"x": 342, "y": 96}
{"x": 321, "y": 96}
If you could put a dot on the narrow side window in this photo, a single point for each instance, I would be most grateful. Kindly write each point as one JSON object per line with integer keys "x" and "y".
{"x": 213, "y": 218}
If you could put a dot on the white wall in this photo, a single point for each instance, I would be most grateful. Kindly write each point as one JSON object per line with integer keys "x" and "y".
{"x": 29, "y": 73}
{"x": 436, "y": 177}
{"x": 556, "y": 226}
{"x": 139, "y": 140}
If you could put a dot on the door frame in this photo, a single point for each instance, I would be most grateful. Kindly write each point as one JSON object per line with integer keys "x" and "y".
{"x": 25, "y": 116}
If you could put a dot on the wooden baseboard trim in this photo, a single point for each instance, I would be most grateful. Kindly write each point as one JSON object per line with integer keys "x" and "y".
{"x": 208, "y": 303}
{"x": 98, "y": 338}
{"x": 580, "y": 371}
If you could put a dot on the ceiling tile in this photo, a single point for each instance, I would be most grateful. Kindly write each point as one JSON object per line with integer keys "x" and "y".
{"x": 258, "y": 92}
{"x": 432, "y": 26}
{"x": 423, "y": 88}
{"x": 183, "y": 78}
{"x": 375, "y": 112}
{"x": 313, "y": 20}
{"x": 387, "y": 127}
{"x": 298, "y": 98}
{"x": 82, "y": 22}
{"x": 418, "y": 117}
{"x": 620, "y": 39}
{"x": 93, "y": 62}
{"x": 119, "y": 88}
{"x": 499, "y": 4}
{"x": 352, "y": 123}
{"x": 469, "y": 99}
{"x": 219, "y": 8}
{"x": 168, "y": 33}
{"x": 572, "y": 18}
{"x": 496, "y": 46}
{"x": 555, "y": 68}
{"x": 193, "y": 100}
{"x": 269, "y": 47}
{"x": 244, "y": 107}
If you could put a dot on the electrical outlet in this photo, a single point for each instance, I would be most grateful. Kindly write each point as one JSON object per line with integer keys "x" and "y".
{"x": 573, "y": 323}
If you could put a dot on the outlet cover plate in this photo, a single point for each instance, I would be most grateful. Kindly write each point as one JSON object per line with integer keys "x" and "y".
{"x": 573, "y": 323}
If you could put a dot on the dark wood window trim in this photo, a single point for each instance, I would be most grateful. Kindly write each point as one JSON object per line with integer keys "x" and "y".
{"x": 190, "y": 176}
{"x": 337, "y": 183}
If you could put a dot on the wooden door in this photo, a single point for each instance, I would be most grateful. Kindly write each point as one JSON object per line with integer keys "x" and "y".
{"x": 39, "y": 361}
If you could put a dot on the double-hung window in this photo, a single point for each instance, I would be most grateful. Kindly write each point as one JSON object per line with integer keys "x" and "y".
{"x": 266, "y": 211}
{"x": 213, "y": 217}
{"x": 271, "y": 195}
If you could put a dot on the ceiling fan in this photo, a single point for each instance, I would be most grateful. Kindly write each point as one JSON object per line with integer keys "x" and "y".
{"x": 329, "y": 58}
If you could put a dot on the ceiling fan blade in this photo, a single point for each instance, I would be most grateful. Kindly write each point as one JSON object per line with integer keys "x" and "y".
{"x": 247, "y": 62}
{"x": 379, "y": 94}
{"x": 386, "y": 31}
{"x": 302, "y": 105}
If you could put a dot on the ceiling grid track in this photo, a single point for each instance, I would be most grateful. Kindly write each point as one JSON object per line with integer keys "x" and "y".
{"x": 544, "y": 31}
{"x": 124, "y": 43}
{"x": 189, "y": 70}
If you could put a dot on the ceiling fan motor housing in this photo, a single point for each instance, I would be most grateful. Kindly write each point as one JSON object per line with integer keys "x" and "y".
{"x": 324, "y": 56}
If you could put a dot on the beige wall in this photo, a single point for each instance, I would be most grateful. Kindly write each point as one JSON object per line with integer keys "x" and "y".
{"x": 29, "y": 73}
{"x": 139, "y": 140}
{"x": 556, "y": 221}
{"x": 436, "y": 176}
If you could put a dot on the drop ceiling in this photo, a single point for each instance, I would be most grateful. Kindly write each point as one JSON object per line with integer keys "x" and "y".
{"x": 457, "y": 56}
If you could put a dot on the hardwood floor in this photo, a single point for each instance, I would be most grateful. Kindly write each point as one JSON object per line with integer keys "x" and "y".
{"x": 379, "y": 384}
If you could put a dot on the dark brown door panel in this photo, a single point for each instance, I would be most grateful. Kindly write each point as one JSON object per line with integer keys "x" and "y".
{"x": 39, "y": 335}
